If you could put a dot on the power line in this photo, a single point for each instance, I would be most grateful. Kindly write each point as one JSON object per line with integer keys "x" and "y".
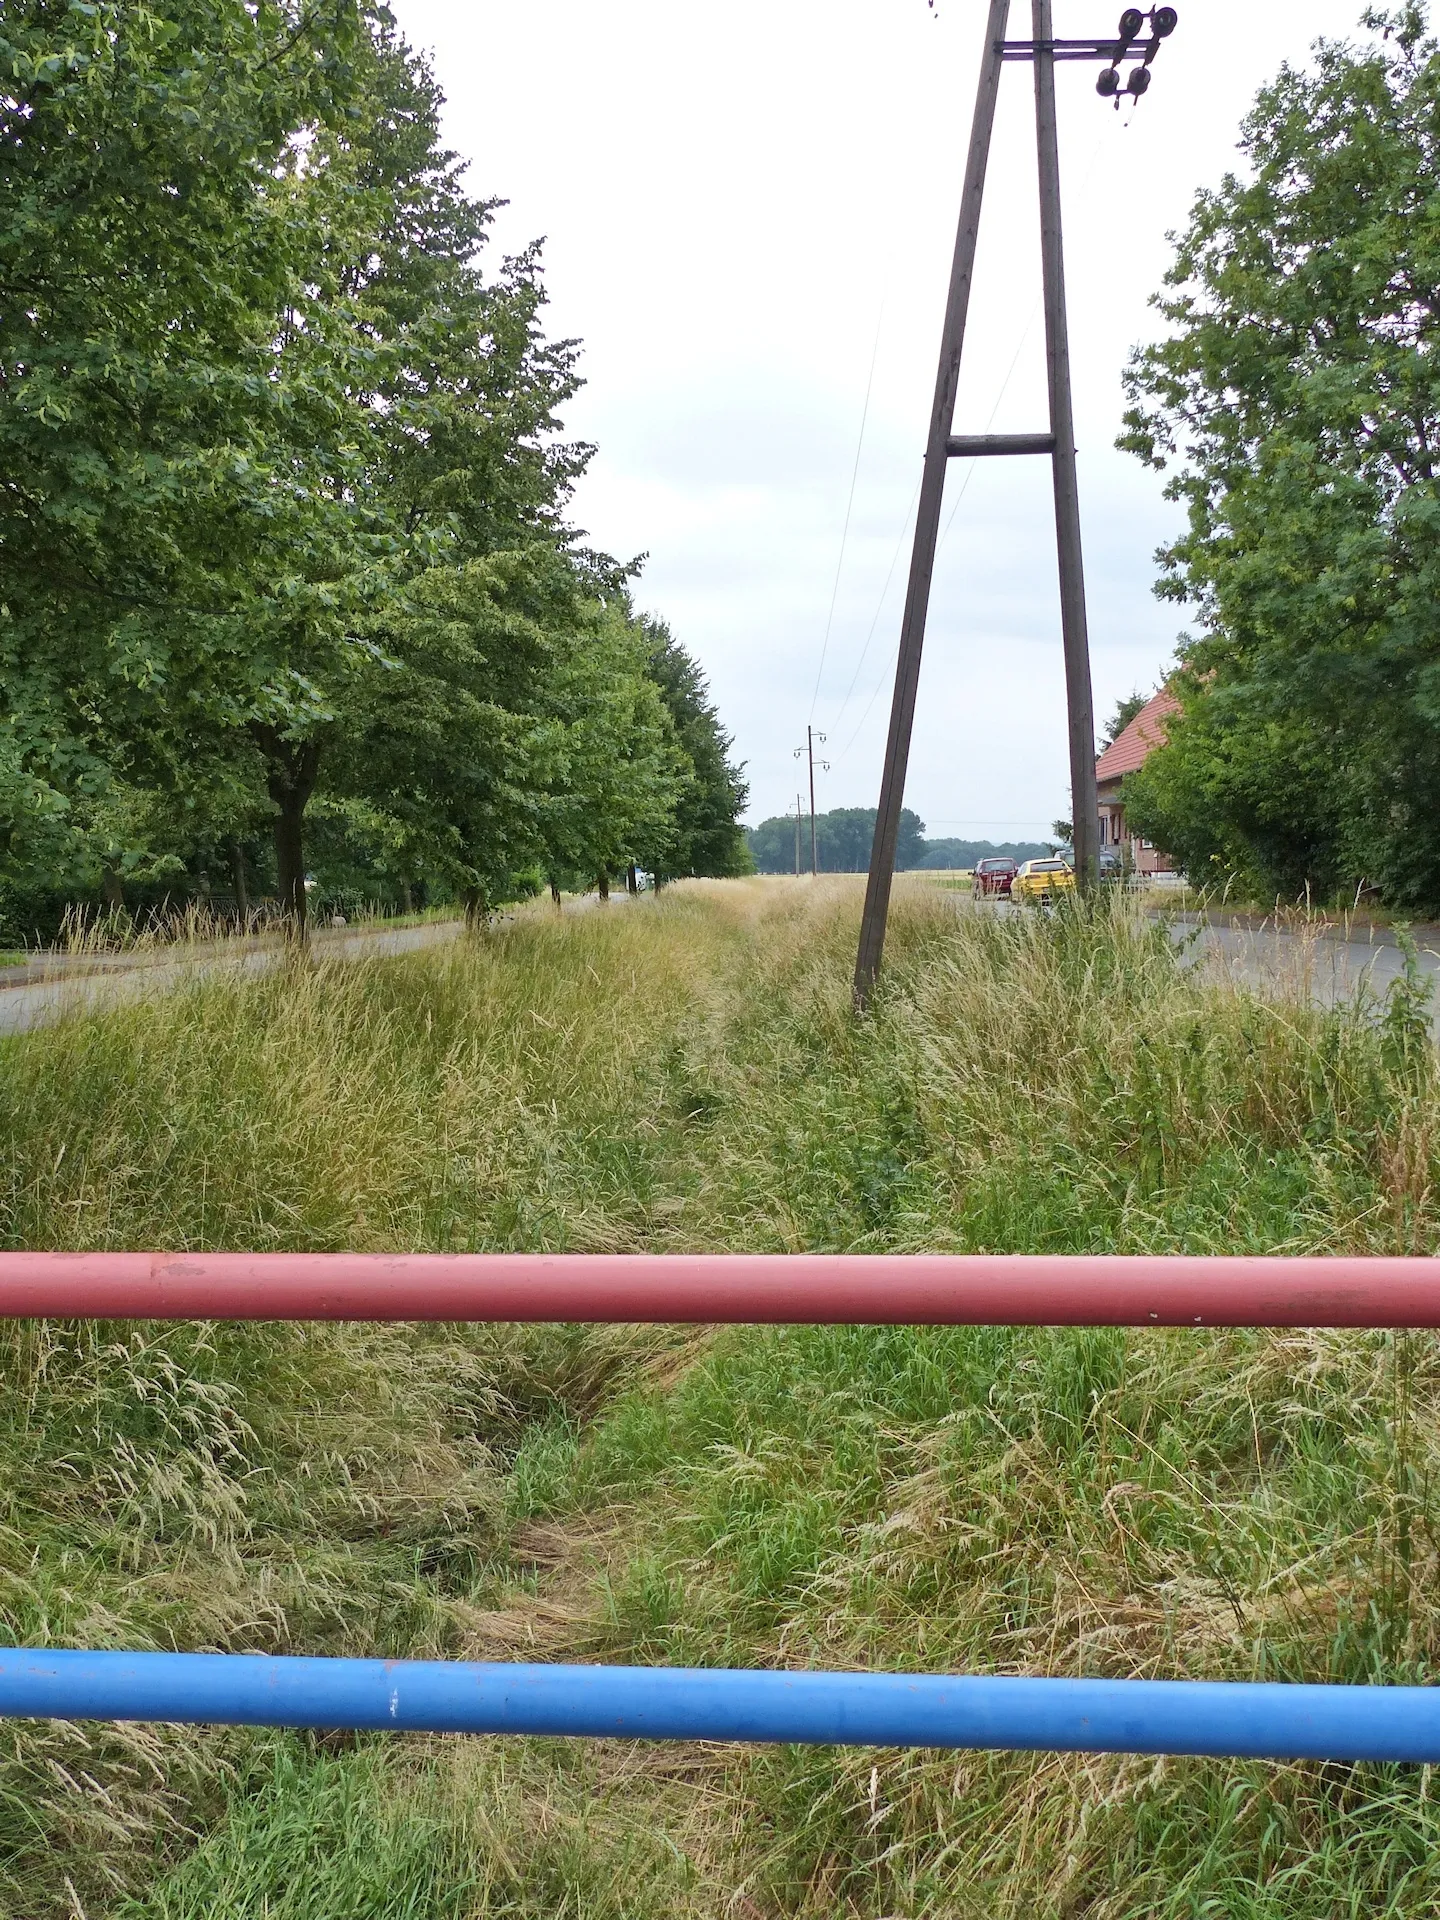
{"x": 860, "y": 724}
{"x": 970, "y": 470}
{"x": 964, "y": 488}
{"x": 1020, "y": 348}
{"x": 849, "y": 508}
{"x": 880, "y": 608}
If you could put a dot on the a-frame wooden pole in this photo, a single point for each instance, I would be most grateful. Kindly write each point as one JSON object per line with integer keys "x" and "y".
{"x": 927, "y": 522}
{"x": 1085, "y": 812}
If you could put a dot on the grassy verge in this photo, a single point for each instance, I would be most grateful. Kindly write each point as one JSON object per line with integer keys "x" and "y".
{"x": 687, "y": 1074}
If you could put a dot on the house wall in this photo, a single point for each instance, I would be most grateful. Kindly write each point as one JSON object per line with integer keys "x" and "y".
{"x": 1140, "y": 855}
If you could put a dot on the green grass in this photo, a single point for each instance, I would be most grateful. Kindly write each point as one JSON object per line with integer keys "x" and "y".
{"x": 686, "y": 1073}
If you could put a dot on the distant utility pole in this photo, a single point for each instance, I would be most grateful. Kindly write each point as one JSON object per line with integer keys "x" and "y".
{"x": 808, "y": 752}
{"x": 1132, "y": 43}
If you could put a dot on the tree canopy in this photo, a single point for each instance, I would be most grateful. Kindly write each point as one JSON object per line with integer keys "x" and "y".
{"x": 1125, "y": 712}
{"x": 1296, "y": 402}
{"x": 285, "y": 565}
{"x": 702, "y": 834}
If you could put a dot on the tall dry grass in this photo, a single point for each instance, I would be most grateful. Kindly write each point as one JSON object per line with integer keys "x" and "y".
{"x": 687, "y": 1073}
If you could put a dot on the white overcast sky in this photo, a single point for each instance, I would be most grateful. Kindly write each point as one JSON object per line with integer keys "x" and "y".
{"x": 743, "y": 207}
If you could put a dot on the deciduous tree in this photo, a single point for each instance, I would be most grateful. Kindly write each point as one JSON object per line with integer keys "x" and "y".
{"x": 703, "y": 835}
{"x": 1297, "y": 402}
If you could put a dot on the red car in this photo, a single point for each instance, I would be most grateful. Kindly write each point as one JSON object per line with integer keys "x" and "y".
{"x": 993, "y": 876}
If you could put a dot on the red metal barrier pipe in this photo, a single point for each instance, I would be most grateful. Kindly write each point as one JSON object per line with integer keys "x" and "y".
{"x": 792, "y": 1289}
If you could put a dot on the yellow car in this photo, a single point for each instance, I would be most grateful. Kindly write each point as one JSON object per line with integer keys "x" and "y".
{"x": 1039, "y": 882}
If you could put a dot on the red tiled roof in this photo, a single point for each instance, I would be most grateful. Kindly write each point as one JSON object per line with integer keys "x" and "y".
{"x": 1132, "y": 747}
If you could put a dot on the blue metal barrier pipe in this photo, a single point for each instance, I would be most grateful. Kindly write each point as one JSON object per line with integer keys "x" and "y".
{"x": 1264, "y": 1720}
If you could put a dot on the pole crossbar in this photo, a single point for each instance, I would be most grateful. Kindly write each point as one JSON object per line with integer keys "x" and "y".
{"x": 1262, "y": 1720}
{"x": 1107, "y": 50}
{"x": 977, "y": 446}
{"x": 730, "y": 1289}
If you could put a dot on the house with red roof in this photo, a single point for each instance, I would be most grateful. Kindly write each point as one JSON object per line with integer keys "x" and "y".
{"x": 1127, "y": 751}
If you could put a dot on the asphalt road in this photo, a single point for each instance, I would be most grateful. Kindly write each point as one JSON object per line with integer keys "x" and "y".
{"x": 37, "y": 1001}
{"x": 1324, "y": 967}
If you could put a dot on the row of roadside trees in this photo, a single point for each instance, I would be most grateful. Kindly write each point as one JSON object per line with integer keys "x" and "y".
{"x": 286, "y": 582}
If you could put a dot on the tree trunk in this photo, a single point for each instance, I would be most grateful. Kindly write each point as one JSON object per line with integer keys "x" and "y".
{"x": 632, "y": 879}
{"x": 476, "y": 909}
{"x": 238, "y": 882}
{"x": 602, "y": 881}
{"x": 554, "y": 889}
{"x": 290, "y": 864}
{"x": 111, "y": 888}
{"x": 290, "y": 780}
{"x": 407, "y": 898}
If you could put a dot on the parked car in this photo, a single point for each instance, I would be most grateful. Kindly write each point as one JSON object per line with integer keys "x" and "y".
{"x": 993, "y": 876}
{"x": 1112, "y": 864}
{"x": 1039, "y": 882}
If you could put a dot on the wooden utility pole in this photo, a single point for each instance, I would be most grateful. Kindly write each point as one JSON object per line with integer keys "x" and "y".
{"x": 808, "y": 751}
{"x": 1074, "y": 630}
{"x": 943, "y": 445}
{"x": 927, "y": 518}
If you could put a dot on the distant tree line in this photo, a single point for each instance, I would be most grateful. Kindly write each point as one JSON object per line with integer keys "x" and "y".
{"x": 844, "y": 837}
{"x": 287, "y": 592}
{"x": 1296, "y": 399}
{"x": 962, "y": 854}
